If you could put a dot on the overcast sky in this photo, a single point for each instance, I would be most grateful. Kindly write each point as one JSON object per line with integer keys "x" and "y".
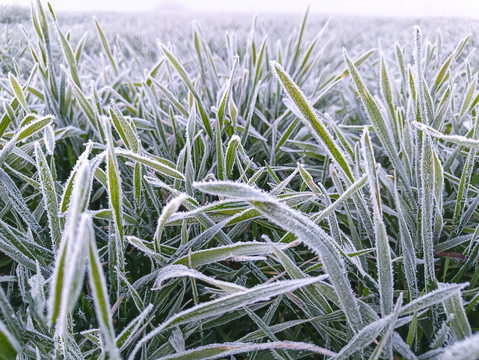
{"x": 426, "y": 8}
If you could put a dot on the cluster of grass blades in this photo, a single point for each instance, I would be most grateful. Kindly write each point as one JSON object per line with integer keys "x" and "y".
{"x": 243, "y": 204}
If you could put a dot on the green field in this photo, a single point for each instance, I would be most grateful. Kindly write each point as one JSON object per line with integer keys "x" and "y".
{"x": 179, "y": 186}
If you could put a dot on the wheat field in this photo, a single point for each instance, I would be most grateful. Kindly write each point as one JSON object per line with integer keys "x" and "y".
{"x": 238, "y": 189}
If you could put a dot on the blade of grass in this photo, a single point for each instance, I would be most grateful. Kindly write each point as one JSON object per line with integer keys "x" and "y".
{"x": 312, "y": 235}
{"x": 310, "y": 119}
{"x": 100, "y": 296}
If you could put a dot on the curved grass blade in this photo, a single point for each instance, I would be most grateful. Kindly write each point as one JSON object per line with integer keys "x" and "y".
{"x": 166, "y": 213}
{"x": 233, "y": 145}
{"x": 432, "y": 298}
{"x": 124, "y": 129}
{"x": 106, "y": 46}
{"x": 216, "y": 351}
{"x": 68, "y": 189}
{"x": 174, "y": 271}
{"x": 90, "y": 112}
{"x": 350, "y": 191}
{"x": 154, "y": 164}
{"x": 309, "y": 117}
{"x": 33, "y": 127}
{"x": 456, "y": 139}
{"x": 308, "y": 232}
{"x": 364, "y": 337}
{"x": 68, "y": 53}
{"x": 228, "y": 252}
{"x": 226, "y": 304}
{"x": 17, "y": 90}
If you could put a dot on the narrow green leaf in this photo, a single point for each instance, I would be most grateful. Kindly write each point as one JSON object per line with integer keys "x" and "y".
{"x": 115, "y": 197}
{"x": 174, "y": 271}
{"x": 17, "y": 90}
{"x": 225, "y": 99}
{"x": 432, "y": 298}
{"x": 172, "y": 207}
{"x": 100, "y": 297}
{"x": 33, "y": 127}
{"x": 310, "y": 119}
{"x": 67, "y": 274}
{"x": 426, "y": 205}
{"x": 154, "y": 164}
{"x": 233, "y": 145}
{"x": 67, "y": 191}
{"x": 383, "y": 251}
{"x": 68, "y": 54}
{"x": 106, "y": 46}
{"x": 124, "y": 129}
{"x": 49, "y": 195}
{"x": 234, "y": 251}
